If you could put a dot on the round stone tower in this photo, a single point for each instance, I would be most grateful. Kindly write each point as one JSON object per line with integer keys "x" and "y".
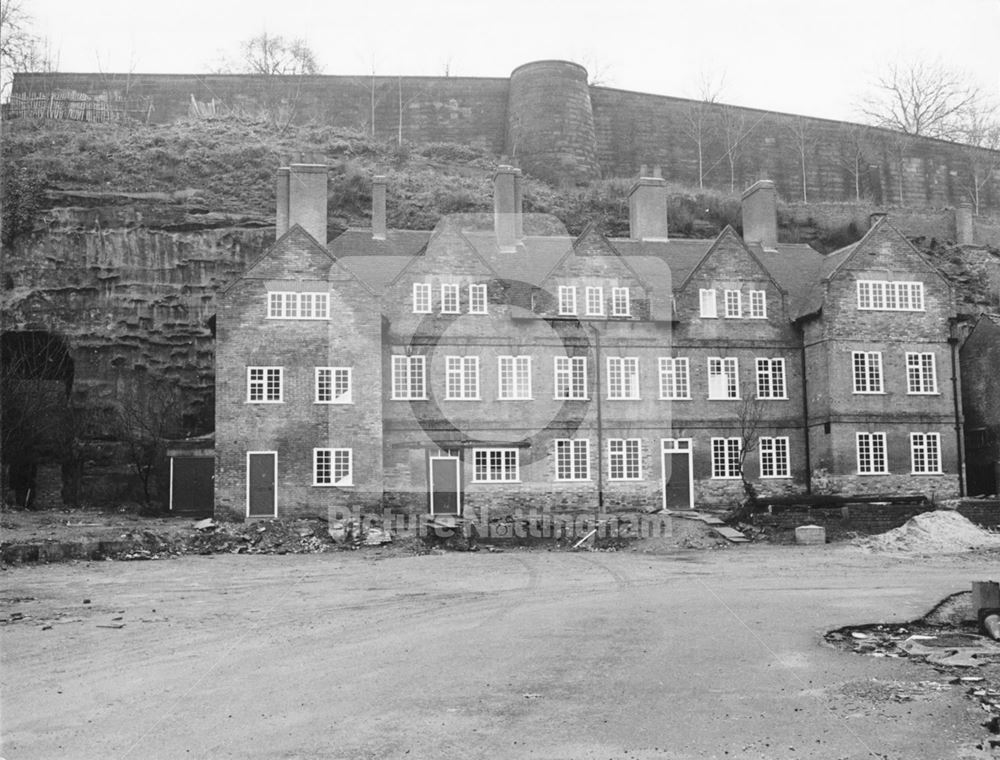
{"x": 550, "y": 122}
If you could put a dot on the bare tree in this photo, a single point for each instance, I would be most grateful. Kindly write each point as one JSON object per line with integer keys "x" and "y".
{"x": 20, "y": 49}
{"x": 146, "y": 415}
{"x": 748, "y": 419}
{"x": 803, "y": 138}
{"x": 979, "y": 127}
{"x": 734, "y": 127}
{"x": 698, "y": 118}
{"x": 855, "y": 153}
{"x": 919, "y": 98}
{"x": 273, "y": 55}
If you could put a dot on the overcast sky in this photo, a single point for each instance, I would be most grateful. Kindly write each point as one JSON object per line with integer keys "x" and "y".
{"x": 799, "y": 56}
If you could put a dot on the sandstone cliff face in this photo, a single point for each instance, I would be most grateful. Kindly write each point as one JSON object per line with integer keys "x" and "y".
{"x": 133, "y": 302}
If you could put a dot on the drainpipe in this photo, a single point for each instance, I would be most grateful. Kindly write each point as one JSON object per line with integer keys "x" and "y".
{"x": 805, "y": 407}
{"x": 600, "y": 422}
{"x": 956, "y": 395}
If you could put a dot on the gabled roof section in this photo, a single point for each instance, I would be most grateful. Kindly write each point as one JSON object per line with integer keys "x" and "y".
{"x": 356, "y": 242}
{"x": 442, "y": 233}
{"x": 591, "y": 242}
{"x": 296, "y": 255}
{"x": 730, "y": 234}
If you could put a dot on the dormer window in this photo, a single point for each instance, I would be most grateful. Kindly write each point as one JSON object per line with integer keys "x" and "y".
{"x": 297, "y": 305}
{"x": 883, "y": 295}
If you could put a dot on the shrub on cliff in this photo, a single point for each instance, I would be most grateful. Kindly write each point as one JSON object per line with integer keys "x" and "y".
{"x": 21, "y": 196}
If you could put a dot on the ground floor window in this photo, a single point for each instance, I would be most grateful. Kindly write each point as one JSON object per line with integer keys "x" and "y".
{"x": 625, "y": 459}
{"x": 871, "y": 454}
{"x": 572, "y": 459}
{"x": 925, "y": 453}
{"x": 774, "y": 457}
{"x": 494, "y": 466}
{"x": 332, "y": 467}
{"x": 725, "y": 457}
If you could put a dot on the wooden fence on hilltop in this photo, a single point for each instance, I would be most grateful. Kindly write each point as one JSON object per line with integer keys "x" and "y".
{"x": 76, "y": 107}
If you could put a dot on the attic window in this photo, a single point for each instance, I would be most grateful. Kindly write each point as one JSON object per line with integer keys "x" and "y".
{"x": 291, "y": 305}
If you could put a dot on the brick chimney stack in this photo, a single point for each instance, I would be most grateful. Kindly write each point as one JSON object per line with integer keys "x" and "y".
{"x": 505, "y": 212}
{"x": 647, "y": 209}
{"x": 281, "y": 219}
{"x": 307, "y": 199}
{"x": 378, "y": 208}
{"x": 760, "y": 214}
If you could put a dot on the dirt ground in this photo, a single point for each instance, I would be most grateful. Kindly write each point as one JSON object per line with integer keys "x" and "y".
{"x": 513, "y": 654}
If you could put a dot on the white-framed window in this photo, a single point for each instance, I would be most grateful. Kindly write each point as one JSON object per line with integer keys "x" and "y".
{"x": 477, "y": 298}
{"x": 408, "y": 377}
{"x": 921, "y": 373}
{"x": 333, "y": 385}
{"x": 567, "y": 299}
{"x": 758, "y": 304}
{"x": 623, "y": 377}
{"x": 884, "y": 295}
{"x": 332, "y": 467}
{"x": 571, "y": 377}
{"x": 774, "y": 457}
{"x": 461, "y": 378}
{"x": 515, "y": 377}
{"x": 771, "y": 378}
{"x": 725, "y": 458}
{"x": 595, "y": 301}
{"x": 620, "y": 306}
{"x": 734, "y": 304}
{"x": 925, "y": 453}
{"x": 624, "y": 459}
{"x": 495, "y": 466}
{"x": 871, "y": 454}
{"x": 675, "y": 378}
{"x": 421, "y": 298}
{"x": 449, "y": 298}
{"x": 265, "y": 385}
{"x": 723, "y": 377}
{"x": 296, "y": 305}
{"x": 572, "y": 459}
{"x": 867, "y": 371}
{"x": 706, "y": 300}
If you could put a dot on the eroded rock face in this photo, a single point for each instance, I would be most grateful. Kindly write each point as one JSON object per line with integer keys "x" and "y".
{"x": 132, "y": 291}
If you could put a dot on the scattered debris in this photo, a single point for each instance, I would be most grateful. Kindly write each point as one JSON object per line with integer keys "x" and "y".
{"x": 207, "y": 524}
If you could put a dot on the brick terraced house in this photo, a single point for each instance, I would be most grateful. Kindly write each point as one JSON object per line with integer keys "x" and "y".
{"x": 490, "y": 367}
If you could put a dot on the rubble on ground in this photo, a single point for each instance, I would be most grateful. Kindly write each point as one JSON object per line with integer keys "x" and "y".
{"x": 940, "y": 532}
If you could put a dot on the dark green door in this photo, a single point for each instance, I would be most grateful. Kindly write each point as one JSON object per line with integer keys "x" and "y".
{"x": 446, "y": 495}
{"x": 261, "y": 498}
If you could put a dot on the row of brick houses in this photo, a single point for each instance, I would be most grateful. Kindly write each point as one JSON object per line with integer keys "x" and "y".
{"x": 496, "y": 363}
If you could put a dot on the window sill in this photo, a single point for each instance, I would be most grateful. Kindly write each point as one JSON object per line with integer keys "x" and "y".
{"x": 940, "y": 472}
{"x": 520, "y": 398}
{"x": 333, "y": 485}
{"x": 571, "y": 398}
{"x": 775, "y": 477}
{"x": 923, "y": 393}
{"x": 624, "y": 398}
{"x": 772, "y": 398}
{"x": 867, "y": 474}
{"x": 408, "y": 398}
{"x": 496, "y": 482}
{"x": 333, "y": 403}
{"x": 624, "y": 480}
{"x": 451, "y": 398}
{"x": 724, "y": 398}
{"x": 725, "y": 477}
{"x": 255, "y": 403}
{"x": 574, "y": 480}
{"x": 675, "y": 398}
{"x": 869, "y": 393}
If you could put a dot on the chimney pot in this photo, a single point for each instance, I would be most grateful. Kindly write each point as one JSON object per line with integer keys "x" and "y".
{"x": 647, "y": 209}
{"x": 281, "y": 193}
{"x": 759, "y": 207}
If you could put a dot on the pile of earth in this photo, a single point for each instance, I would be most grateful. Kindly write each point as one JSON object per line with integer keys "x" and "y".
{"x": 939, "y": 532}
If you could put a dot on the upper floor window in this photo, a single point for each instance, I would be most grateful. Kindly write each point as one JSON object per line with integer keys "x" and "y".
{"x": 774, "y": 457}
{"x": 408, "y": 381}
{"x": 734, "y": 304}
{"x": 449, "y": 298}
{"x": 625, "y": 459}
{"x": 333, "y": 385}
{"x": 567, "y": 299}
{"x": 264, "y": 385}
{"x": 332, "y": 467}
{"x": 571, "y": 377}
{"x": 462, "y": 378}
{"x": 477, "y": 298}
{"x": 867, "y": 371}
{"x": 623, "y": 377}
{"x": 883, "y": 295}
{"x": 921, "y": 374}
{"x": 294, "y": 305}
{"x": 771, "y": 378}
{"x": 723, "y": 377}
{"x": 494, "y": 466}
{"x": 515, "y": 377}
{"x": 871, "y": 454}
{"x": 675, "y": 380}
{"x": 758, "y": 304}
{"x": 925, "y": 453}
{"x": 421, "y": 298}
{"x": 572, "y": 459}
{"x": 706, "y": 298}
{"x": 595, "y": 301}
{"x": 620, "y": 306}
{"x": 726, "y": 458}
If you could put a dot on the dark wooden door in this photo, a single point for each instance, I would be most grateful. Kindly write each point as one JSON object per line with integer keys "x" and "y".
{"x": 260, "y": 481}
{"x": 192, "y": 486}
{"x": 446, "y": 493}
{"x": 677, "y": 480}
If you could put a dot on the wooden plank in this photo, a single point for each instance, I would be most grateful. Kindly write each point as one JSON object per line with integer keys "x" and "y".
{"x": 730, "y": 534}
